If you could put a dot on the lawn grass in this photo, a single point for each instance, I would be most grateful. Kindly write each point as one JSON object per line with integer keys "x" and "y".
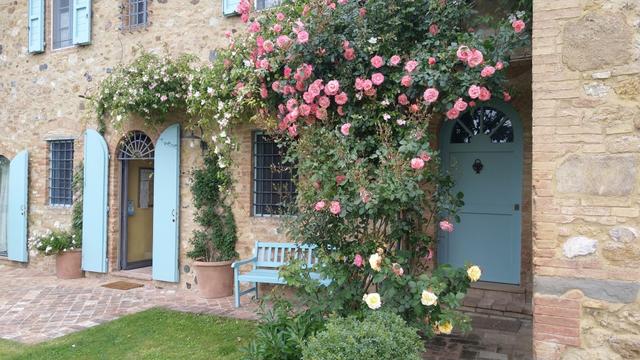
{"x": 152, "y": 334}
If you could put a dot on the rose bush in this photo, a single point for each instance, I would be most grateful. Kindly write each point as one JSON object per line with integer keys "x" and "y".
{"x": 352, "y": 88}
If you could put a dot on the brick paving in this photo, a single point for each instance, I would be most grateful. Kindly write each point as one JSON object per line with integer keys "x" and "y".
{"x": 35, "y": 307}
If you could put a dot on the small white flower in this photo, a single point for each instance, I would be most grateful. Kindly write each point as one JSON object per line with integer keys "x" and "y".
{"x": 373, "y": 40}
{"x": 386, "y": 116}
{"x": 401, "y": 122}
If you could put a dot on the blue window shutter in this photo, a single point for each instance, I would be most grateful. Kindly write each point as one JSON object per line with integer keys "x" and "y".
{"x": 18, "y": 206}
{"x": 81, "y": 22}
{"x": 94, "y": 202}
{"x": 36, "y": 26}
{"x": 229, "y": 7}
{"x": 166, "y": 199}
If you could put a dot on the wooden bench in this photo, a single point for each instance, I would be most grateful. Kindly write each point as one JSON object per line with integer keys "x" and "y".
{"x": 267, "y": 260}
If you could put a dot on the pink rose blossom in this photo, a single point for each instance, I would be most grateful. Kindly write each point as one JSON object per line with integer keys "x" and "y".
{"x": 406, "y": 81}
{"x": 332, "y": 6}
{"x": 424, "y": 156}
{"x": 305, "y": 110}
{"x": 349, "y": 54}
{"x": 362, "y": 12}
{"x": 403, "y": 100}
{"x": 377, "y": 61}
{"x": 414, "y": 108}
{"x": 324, "y": 102}
{"x": 397, "y": 269}
{"x": 332, "y": 87}
{"x": 446, "y": 226}
{"x": 453, "y": 113}
{"x": 264, "y": 93}
{"x": 367, "y": 85}
{"x": 472, "y": 103}
{"x": 287, "y": 72}
{"x": 280, "y": 16}
{"x": 475, "y": 59}
{"x": 370, "y": 92}
{"x": 308, "y": 97}
{"x": 432, "y": 60}
{"x": 277, "y": 28}
{"x": 254, "y": 27}
{"x": 485, "y": 95}
{"x": 283, "y": 41}
{"x": 411, "y": 65}
{"x": 163, "y": 98}
{"x": 395, "y": 60}
{"x": 365, "y": 195}
{"x": 506, "y": 96}
{"x": 321, "y": 113}
{"x": 518, "y": 26}
{"x": 417, "y": 163}
{"x": 358, "y": 261}
{"x": 320, "y": 205}
{"x": 303, "y": 37}
{"x": 377, "y": 78}
{"x": 488, "y": 71}
{"x": 340, "y": 111}
{"x": 341, "y": 98}
{"x": 344, "y": 129}
{"x": 293, "y": 130}
{"x": 359, "y": 84}
{"x": 499, "y": 65}
{"x": 292, "y": 104}
{"x": 268, "y": 46}
{"x": 463, "y": 53}
{"x": 335, "y": 208}
{"x": 340, "y": 179}
{"x": 460, "y": 105}
{"x": 342, "y": 2}
{"x": 433, "y": 29}
{"x": 431, "y": 95}
{"x": 474, "y": 91}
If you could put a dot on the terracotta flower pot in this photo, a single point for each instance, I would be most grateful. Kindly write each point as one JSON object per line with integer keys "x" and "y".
{"x": 69, "y": 265}
{"x": 215, "y": 279}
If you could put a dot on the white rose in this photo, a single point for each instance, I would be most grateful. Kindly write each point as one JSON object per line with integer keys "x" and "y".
{"x": 375, "y": 261}
{"x": 373, "y": 300}
{"x": 428, "y": 298}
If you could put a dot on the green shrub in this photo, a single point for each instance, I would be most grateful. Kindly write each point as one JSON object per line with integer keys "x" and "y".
{"x": 381, "y": 335}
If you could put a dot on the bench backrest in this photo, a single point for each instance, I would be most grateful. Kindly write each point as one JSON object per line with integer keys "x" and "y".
{"x": 275, "y": 255}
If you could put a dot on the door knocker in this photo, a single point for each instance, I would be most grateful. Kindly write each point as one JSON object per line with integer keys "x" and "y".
{"x": 477, "y": 166}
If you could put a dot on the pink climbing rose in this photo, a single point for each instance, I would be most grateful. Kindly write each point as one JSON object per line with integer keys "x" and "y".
{"x": 431, "y": 95}
{"x": 474, "y": 91}
{"x": 395, "y": 60}
{"x": 344, "y": 129}
{"x": 460, "y": 105}
{"x": 332, "y": 87}
{"x": 377, "y": 61}
{"x": 358, "y": 261}
{"x": 320, "y": 205}
{"x": 303, "y": 37}
{"x": 445, "y": 225}
{"x": 488, "y": 71}
{"x": 334, "y": 208}
{"x": 417, "y": 163}
{"x": 377, "y": 78}
{"x": 518, "y": 26}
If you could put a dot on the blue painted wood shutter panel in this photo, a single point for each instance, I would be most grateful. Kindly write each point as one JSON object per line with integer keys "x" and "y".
{"x": 229, "y": 7}
{"x": 36, "y": 26}
{"x": 18, "y": 205}
{"x": 94, "y": 196}
{"x": 81, "y": 22}
{"x": 166, "y": 199}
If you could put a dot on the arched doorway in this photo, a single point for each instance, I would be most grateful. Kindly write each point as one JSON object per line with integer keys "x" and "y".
{"x": 4, "y": 203}
{"x": 136, "y": 156}
{"x": 482, "y": 150}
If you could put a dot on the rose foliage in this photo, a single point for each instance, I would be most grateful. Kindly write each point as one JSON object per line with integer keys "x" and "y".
{"x": 351, "y": 89}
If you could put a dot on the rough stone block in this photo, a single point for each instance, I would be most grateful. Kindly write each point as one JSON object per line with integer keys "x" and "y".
{"x": 605, "y": 175}
{"x": 597, "y": 40}
{"x": 579, "y": 246}
{"x": 607, "y": 290}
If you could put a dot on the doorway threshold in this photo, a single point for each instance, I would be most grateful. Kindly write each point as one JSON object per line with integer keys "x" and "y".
{"x": 138, "y": 274}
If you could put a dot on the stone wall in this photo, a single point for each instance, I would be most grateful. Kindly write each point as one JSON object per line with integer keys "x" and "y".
{"x": 586, "y": 179}
{"x": 43, "y": 97}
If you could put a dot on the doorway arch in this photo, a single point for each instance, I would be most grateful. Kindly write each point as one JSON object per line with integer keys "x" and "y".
{"x": 136, "y": 154}
{"x": 483, "y": 151}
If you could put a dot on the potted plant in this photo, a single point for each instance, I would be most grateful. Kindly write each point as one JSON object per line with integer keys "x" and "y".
{"x": 67, "y": 248}
{"x": 213, "y": 245}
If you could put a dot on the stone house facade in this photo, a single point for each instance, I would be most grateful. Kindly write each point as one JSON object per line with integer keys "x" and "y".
{"x": 577, "y": 157}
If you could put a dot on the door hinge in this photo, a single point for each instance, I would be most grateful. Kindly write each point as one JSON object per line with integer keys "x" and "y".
{"x": 516, "y": 207}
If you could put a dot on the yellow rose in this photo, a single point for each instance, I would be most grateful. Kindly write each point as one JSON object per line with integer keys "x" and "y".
{"x": 445, "y": 328}
{"x": 428, "y": 298}
{"x": 474, "y": 273}
{"x": 373, "y": 300}
{"x": 375, "y": 261}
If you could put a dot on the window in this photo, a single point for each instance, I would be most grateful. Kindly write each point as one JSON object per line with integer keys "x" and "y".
{"x": 265, "y": 4}
{"x": 484, "y": 120}
{"x": 61, "y": 172}
{"x": 273, "y": 189}
{"x": 134, "y": 14}
{"x": 62, "y": 24}
{"x": 4, "y": 203}
{"x": 145, "y": 188}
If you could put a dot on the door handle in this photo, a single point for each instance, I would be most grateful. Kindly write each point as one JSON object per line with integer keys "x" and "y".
{"x": 173, "y": 215}
{"x": 21, "y": 210}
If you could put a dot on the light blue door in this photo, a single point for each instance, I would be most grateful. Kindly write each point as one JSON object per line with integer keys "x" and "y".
{"x": 18, "y": 204}
{"x": 166, "y": 199}
{"x": 482, "y": 150}
{"x": 94, "y": 205}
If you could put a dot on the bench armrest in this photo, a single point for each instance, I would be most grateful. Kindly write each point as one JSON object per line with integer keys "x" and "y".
{"x": 237, "y": 264}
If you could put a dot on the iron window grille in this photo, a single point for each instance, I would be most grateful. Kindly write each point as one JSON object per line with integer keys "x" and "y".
{"x": 266, "y": 4}
{"x": 135, "y": 14}
{"x": 62, "y": 24}
{"x": 273, "y": 188}
{"x": 60, "y": 172}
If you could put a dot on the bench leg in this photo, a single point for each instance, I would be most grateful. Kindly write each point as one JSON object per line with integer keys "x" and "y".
{"x": 236, "y": 290}
{"x": 256, "y": 285}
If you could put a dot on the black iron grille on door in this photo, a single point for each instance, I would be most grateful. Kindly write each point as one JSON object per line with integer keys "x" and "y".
{"x": 273, "y": 189}
{"x": 60, "y": 172}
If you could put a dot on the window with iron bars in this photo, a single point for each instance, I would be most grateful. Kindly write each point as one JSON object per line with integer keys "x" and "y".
{"x": 266, "y": 4}
{"x": 135, "y": 14}
{"x": 273, "y": 189}
{"x": 60, "y": 172}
